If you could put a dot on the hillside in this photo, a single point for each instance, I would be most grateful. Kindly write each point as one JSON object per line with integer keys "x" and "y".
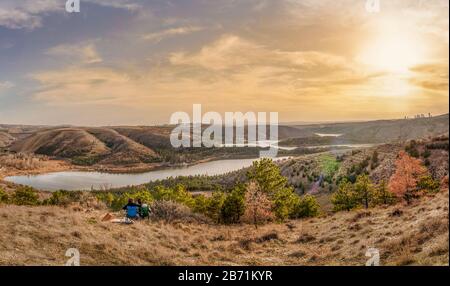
{"x": 85, "y": 146}
{"x": 412, "y": 235}
{"x": 123, "y": 150}
{"x": 381, "y": 131}
{"x": 64, "y": 142}
{"x": 5, "y": 139}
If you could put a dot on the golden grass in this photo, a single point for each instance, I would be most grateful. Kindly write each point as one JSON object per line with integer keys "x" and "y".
{"x": 41, "y": 236}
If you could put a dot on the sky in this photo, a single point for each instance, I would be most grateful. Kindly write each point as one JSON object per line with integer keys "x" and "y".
{"x": 135, "y": 62}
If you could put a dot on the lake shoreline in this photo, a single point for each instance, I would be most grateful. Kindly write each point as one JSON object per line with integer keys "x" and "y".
{"x": 75, "y": 179}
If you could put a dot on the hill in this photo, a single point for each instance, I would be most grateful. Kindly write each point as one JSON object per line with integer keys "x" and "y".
{"x": 64, "y": 142}
{"x": 408, "y": 235}
{"x": 381, "y": 131}
{"x": 85, "y": 146}
{"x": 5, "y": 139}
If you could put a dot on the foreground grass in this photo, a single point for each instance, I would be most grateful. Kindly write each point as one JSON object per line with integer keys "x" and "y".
{"x": 413, "y": 235}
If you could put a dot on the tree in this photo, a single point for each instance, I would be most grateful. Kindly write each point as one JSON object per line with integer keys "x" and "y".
{"x": 382, "y": 195}
{"x": 364, "y": 190}
{"x": 200, "y": 204}
{"x": 306, "y": 206}
{"x": 344, "y": 198}
{"x": 214, "y": 205}
{"x": 374, "y": 163}
{"x": 234, "y": 206}
{"x": 267, "y": 175}
{"x": 428, "y": 184}
{"x": 258, "y": 207}
{"x": 284, "y": 201}
{"x": 403, "y": 182}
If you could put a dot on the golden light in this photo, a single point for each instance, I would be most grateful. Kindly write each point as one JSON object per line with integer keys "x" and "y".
{"x": 393, "y": 48}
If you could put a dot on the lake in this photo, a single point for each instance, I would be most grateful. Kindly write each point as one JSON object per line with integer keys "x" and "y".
{"x": 72, "y": 180}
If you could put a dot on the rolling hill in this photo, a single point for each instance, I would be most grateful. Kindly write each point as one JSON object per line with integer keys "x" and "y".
{"x": 85, "y": 146}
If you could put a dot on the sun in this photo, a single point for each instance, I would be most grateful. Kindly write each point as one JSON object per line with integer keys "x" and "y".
{"x": 393, "y": 49}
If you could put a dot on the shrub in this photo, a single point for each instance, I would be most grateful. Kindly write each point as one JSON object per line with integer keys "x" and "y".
{"x": 233, "y": 206}
{"x": 63, "y": 198}
{"x": 258, "y": 207}
{"x": 3, "y": 196}
{"x": 214, "y": 205}
{"x": 344, "y": 198}
{"x": 284, "y": 202}
{"x": 427, "y": 184}
{"x": 200, "y": 204}
{"x": 170, "y": 211}
{"x": 306, "y": 207}
{"x": 25, "y": 196}
{"x": 177, "y": 194}
{"x": 382, "y": 195}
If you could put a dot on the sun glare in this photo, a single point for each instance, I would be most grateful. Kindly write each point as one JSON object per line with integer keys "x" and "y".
{"x": 393, "y": 50}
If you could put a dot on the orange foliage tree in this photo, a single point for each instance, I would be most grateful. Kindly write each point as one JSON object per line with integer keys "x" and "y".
{"x": 258, "y": 207}
{"x": 403, "y": 182}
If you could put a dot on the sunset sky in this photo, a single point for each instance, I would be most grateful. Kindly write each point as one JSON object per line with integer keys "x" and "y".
{"x": 130, "y": 62}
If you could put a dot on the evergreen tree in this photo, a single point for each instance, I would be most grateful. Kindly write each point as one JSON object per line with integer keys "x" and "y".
{"x": 344, "y": 198}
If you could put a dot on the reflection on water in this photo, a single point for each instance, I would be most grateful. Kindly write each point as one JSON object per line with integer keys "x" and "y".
{"x": 96, "y": 180}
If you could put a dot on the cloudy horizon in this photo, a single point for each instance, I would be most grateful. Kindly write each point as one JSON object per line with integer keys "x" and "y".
{"x": 130, "y": 62}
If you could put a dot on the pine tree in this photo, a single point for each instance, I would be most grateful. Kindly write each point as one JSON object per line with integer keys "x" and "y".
{"x": 382, "y": 194}
{"x": 344, "y": 198}
{"x": 364, "y": 190}
{"x": 267, "y": 175}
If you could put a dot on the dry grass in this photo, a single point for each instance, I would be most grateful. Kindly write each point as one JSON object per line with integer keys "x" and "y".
{"x": 41, "y": 235}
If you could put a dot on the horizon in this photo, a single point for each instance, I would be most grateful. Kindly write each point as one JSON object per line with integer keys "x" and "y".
{"x": 310, "y": 61}
{"x": 292, "y": 123}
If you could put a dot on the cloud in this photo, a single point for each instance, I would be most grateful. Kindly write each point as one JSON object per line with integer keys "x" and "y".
{"x": 28, "y": 14}
{"x": 6, "y": 85}
{"x": 432, "y": 76}
{"x": 159, "y": 36}
{"x": 86, "y": 52}
{"x": 230, "y": 52}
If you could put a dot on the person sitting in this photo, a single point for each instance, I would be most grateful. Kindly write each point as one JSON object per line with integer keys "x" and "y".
{"x": 144, "y": 210}
{"x": 132, "y": 209}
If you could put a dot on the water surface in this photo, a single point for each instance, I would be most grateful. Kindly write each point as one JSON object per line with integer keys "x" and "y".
{"x": 71, "y": 180}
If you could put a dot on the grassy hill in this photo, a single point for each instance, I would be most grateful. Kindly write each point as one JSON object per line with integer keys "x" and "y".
{"x": 5, "y": 139}
{"x": 85, "y": 146}
{"x": 381, "y": 131}
{"x": 408, "y": 235}
{"x": 124, "y": 145}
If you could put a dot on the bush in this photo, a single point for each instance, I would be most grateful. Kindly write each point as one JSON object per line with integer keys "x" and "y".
{"x": 234, "y": 206}
{"x": 258, "y": 207}
{"x": 200, "y": 204}
{"x": 344, "y": 198}
{"x": 25, "y": 196}
{"x": 427, "y": 184}
{"x": 3, "y": 196}
{"x": 170, "y": 211}
{"x": 306, "y": 207}
{"x": 284, "y": 202}
{"x": 214, "y": 205}
{"x": 63, "y": 198}
{"x": 178, "y": 194}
